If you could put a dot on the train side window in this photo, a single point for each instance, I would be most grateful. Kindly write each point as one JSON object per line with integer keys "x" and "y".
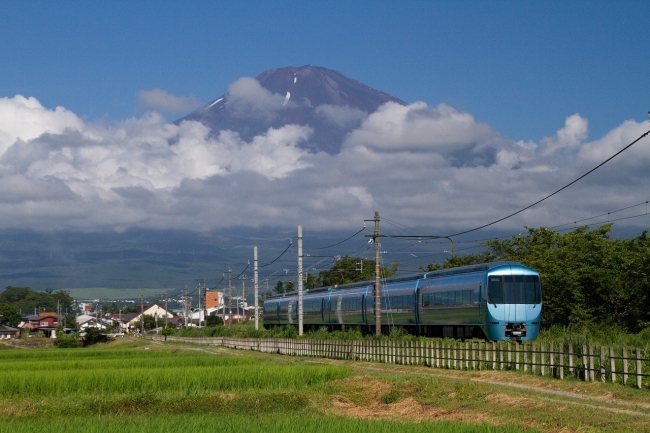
{"x": 437, "y": 299}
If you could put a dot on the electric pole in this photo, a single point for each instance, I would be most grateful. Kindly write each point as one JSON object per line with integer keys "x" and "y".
{"x": 255, "y": 283}
{"x": 166, "y": 309}
{"x": 229, "y": 298}
{"x": 377, "y": 278}
{"x": 300, "y": 280}
{"x": 141, "y": 315}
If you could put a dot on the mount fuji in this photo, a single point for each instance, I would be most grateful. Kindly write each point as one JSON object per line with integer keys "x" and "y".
{"x": 323, "y": 99}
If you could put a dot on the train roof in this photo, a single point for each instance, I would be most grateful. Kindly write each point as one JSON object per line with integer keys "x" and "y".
{"x": 483, "y": 267}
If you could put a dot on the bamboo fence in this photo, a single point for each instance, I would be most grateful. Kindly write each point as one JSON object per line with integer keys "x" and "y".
{"x": 621, "y": 365}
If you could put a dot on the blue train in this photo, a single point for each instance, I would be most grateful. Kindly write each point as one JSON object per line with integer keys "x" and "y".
{"x": 495, "y": 301}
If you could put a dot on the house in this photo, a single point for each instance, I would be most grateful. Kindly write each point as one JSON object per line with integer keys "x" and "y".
{"x": 7, "y": 332}
{"x": 132, "y": 320}
{"x": 44, "y": 322}
{"x": 85, "y": 321}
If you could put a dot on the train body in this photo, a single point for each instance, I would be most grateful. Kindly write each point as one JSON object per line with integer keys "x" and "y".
{"x": 496, "y": 301}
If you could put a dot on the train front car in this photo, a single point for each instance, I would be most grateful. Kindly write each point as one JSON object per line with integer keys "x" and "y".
{"x": 514, "y": 302}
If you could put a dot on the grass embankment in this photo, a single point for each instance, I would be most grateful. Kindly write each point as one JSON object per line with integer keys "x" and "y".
{"x": 122, "y": 386}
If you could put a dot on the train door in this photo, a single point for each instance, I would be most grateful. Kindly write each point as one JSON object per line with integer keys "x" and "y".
{"x": 481, "y": 304}
{"x": 322, "y": 310}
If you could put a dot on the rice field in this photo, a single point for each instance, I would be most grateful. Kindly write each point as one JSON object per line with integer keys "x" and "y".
{"x": 169, "y": 389}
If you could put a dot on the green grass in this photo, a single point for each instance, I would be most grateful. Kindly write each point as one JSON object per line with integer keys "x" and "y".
{"x": 151, "y": 371}
{"x": 168, "y": 388}
{"x": 214, "y": 423}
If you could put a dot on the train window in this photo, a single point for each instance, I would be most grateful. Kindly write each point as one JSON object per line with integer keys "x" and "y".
{"x": 437, "y": 299}
{"x": 514, "y": 289}
{"x": 495, "y": 290}
{"x": 467, "y": 297}
{"x": 533, "y": 294}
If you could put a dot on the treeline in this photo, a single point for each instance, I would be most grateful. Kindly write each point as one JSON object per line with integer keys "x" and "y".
{"x": 346, "y": 270}
{"x": 18, "y": 301}
{"x": 588, "y": 279}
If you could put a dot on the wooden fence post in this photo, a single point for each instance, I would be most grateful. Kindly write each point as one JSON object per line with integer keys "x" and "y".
{"x": 638, "y": 368}
{"x": 561, "y": 360}
{"x": 603, "y": 377}
{"x": 612, "y": 364}
{"x": 624, "y": 365}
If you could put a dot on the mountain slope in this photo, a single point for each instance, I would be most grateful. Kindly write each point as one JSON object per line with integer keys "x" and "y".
{"x": 326, "y": 100}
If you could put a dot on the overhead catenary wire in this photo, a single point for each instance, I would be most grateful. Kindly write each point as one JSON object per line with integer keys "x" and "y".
{"x": 338, "y": 243}
{"x": 556, "y": 192}
{"x": 278, "y": 257}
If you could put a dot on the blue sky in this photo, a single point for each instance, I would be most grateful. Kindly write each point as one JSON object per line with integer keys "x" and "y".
{"x": 522, "y": 67}
{"x": 550, "y": 88}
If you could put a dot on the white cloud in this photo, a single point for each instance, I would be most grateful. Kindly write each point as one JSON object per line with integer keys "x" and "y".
{"x": 57, "y": 171}
{"x": 418, "y": 127}
{"x": 247, "y": 98}
{"x": 25, "y": 118}
{"x": 341, "y": 116}
{"x": 575, "y": 130}
{"x": 164, "y": 102}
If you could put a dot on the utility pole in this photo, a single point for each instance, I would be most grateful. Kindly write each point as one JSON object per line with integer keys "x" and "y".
{"x": 375, "y": 238}
{"x": 243, "y": 298}
{"x": 185, "y": 306}
{"x": 200, "y": 311}
{"x": 300, "y": 280}
{"x": 141, "y": 314}
{"x": 166, "y": 309}
{"x": 205, "y": 292}
{"x": 229, "y": 298}
{"x": 255, "y": 283}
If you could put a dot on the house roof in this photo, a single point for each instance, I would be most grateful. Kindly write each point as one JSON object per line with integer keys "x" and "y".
{"x": 4, "y": 328}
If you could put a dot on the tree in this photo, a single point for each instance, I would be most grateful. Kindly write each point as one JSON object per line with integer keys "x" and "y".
{"x": 9, "y": 315}
{"x": 351, "y": 270}
{"x": 94, "y": 336}
{"x": 213, "y": 320}
{"x": 456, "y": 261}
{"x": 28, "y": 300}
{"x": 279, "y": 288}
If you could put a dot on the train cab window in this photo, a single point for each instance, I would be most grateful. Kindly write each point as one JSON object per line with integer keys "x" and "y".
{"x": 495, "y": 290}
{"x": 514, "y": 289}
{"x": 533, "y": 293}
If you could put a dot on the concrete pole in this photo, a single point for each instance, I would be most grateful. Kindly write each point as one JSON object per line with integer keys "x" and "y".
{"x": 256, "y": 288}
{"x": 300, "y": 330}
{"x": 377, "y": 278}
{"x": 229, "y": 298}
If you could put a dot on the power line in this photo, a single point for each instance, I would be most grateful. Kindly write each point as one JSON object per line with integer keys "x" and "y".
{"x": 338, "y": 243}
{"x": 601, "y": 215}
{"x": 278, "y": 257}
{"x": 561, "y": 189}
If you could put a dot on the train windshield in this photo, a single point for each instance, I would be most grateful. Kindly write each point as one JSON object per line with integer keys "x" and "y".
{"x": 514, "y": 289}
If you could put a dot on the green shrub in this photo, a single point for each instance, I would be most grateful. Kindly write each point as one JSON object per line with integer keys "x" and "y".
{"x": 65, "y": 341}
